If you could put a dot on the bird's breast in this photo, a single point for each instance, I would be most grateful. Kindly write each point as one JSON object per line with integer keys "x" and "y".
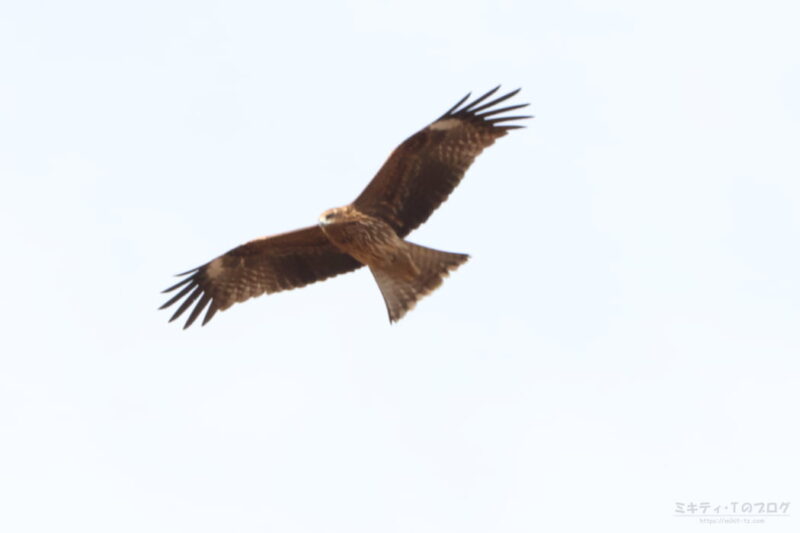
{"x": 370, "y": 240}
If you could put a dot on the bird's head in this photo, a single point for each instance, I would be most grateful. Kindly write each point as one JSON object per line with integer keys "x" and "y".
{"x": 331, "y": 216}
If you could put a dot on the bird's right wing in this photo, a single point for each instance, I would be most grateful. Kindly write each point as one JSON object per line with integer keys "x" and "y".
{"x": 264, "y": 265}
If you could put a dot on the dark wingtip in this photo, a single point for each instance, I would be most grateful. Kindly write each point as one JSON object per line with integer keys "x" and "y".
{"x": 480, "y": 110}
{"x": 471, "y": 107}
{"x": 180, "y": 294}
{"x": 506, "y": 109}
{"x": 449, "y": 111}
{"x": 188, "y": 272}
{"x": 179, "y": 284}
{"x": 212, "y": 310}
{"x": 475, "y": 110}
{"x": 515, "y": 117}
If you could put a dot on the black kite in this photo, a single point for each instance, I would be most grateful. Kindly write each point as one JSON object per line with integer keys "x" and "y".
{"x": 411, "y": 184}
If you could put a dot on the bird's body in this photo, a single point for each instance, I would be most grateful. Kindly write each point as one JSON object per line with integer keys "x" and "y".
{"x": 414, "y": 181}
{"x": 404, "y": 271}
{"x": 369, "y": 240}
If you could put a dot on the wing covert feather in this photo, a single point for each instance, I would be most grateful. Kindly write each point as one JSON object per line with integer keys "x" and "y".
{"x": 422, "y": 172}
{"x": 261, "y": 266}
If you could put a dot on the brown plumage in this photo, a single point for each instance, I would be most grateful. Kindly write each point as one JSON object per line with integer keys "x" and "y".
{"x": 418, "y": 176}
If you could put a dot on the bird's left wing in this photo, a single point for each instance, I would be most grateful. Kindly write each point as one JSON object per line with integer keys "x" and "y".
{"x": 265, "y": 265}
{"x": 422, "y": 172}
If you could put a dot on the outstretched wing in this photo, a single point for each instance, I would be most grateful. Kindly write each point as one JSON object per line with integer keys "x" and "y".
{"x": 423, "y": 171}
{"x": 265, "y": 265}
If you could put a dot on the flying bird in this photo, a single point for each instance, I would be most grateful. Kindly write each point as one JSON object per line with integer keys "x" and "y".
{"x": 418, "y": 176}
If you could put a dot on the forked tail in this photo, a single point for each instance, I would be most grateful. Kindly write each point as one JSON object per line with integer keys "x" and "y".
{"x": 401, "y": 293}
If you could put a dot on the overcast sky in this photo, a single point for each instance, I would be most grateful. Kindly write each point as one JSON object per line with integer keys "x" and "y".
{"x": 624, "y": 339}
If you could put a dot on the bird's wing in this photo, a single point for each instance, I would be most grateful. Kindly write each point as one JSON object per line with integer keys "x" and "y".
{"x": 265, "y": 265}
{"x": 421, "y": 172}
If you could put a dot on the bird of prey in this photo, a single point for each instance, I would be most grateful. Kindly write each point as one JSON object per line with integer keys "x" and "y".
{"x": 418, "y": 176}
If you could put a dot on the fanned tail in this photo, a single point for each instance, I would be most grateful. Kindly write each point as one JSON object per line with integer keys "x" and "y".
{"x": 401, "y": 293}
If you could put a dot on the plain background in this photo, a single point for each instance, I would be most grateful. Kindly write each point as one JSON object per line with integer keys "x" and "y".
{"x": 624, "y": 338}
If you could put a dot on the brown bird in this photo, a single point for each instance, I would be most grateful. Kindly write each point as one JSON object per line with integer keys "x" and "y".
{"x": 418, "y": 176}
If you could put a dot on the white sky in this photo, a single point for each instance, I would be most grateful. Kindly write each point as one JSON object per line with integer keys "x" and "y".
{"x": 625, "y": 336}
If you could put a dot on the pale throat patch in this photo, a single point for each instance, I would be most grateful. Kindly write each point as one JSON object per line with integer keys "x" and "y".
{"x": 335, "y": 214}
{"x": 446, "y": 124}
{"x": 325, "y": 221}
